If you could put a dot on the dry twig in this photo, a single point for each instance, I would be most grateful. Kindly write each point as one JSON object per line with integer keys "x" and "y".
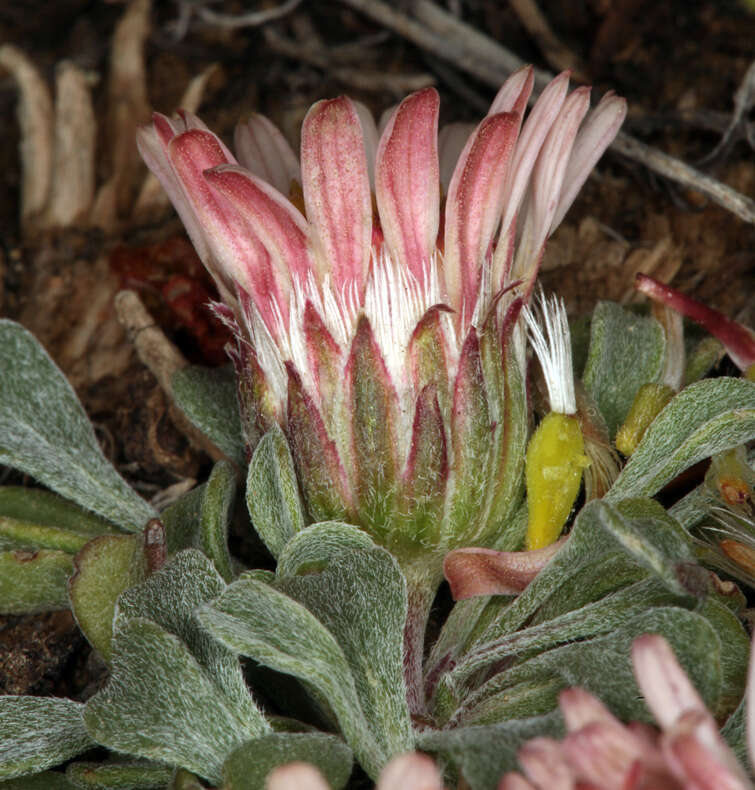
{"x": 73, "y": 168}
{"x": 358, "y": 77}
{"x": 128, "y": 106}
{"x": 35, "y": 116}
{"x": 436, "y": 30}
{"x": 744, "y": 101}
{"x": 555, "y": 52}
{"x": 163, "y": 360}
{"x": 250, "y": 19}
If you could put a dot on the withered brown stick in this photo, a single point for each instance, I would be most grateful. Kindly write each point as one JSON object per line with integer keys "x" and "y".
{"x": 163, "y": 360}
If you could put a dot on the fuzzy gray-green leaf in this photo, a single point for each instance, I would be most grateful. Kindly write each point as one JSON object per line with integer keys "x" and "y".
{"x": 586, "y": 545}
{"x": 734, "y": 656}
{"x": 534, "y": 697}
{"x": 160, "y": 704}
{"x": 483, "y": 754}
{"x": 312, "y": 549}
{"x": 181, "y": 520}
{"x": 255, "y": 620}
{"x": 169, "y": 598}
{"x": 598, "y": 532}
{"x": 360, "y": 596}
{"x": 591, "y": 620}
{"x": 207, "y": 396}
{"x": 48, "y": 780}
{"x": 104, "y": 568}
{"x": 215, "y": 515}
{"x": 45, "y": 509}
{"x": 735, "y": 732}
{"x": 626, "y": 351}
{"x": 34, "y": 581}
{"x": 650, "y": 536}
{"x": 703, "y": 419}
{"x": 16, "y": 534}
{"x": 39, "y": 732}
{"x": 248, "y": 767}
{"x": 272, "y": 492}
{"x": 118, "y": 775}
{"x": 602, "y": 665}
{"x": 45, "y": 432}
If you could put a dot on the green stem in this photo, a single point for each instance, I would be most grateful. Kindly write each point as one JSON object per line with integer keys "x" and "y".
{"x": 422, "y": 582}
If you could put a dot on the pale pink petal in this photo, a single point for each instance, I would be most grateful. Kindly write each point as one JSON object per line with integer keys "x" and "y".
{"x": 296, "y": 776}
{"x": 595, "y": 135}
{"x": 152, "y": 142}
{"x": 473, "y": 208}
{"x": 407, "y": 186}
{"x": 410, "y": 772}
{"x": 451, "y": 141}
{"x": 273, "y": 218}
{"x": 580, "y": 708}
{"x": 264, "y": 294}
{"x": 546, "y": 183}
{"x": 673, "y": 699}
{"x": 545, "y": 765}
{"x": 550, "y": 168}
{"x": 528, "y": 146}
{"x": 188, "y": 121}
{"x": 190, "y": 154}
{"x": 233, "y": 247}
{"x": 337, "y": 192}
{"x": 514, "y": 93}
{"x": 167, "y": 128}
{"x": 533, "y": 134}
{"x": 371, "y": 138}
{"x": 738, "y": 339}
{"x": 512, "y": 781}
{"x": 646, "y": 733}
{"x": 472, "y": 571}
{"x": 667, "y": 690}
{"x": 603, "y": 753}
{"x": 700, "y": 767}
{"x": 156, "y": 144}
{"x": 262, "y": 148}
{"x": 385, "y": 116}
{"x": 701, "y": 727}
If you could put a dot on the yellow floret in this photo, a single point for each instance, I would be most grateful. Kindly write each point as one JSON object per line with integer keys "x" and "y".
{"x": 555, "y": 460}
{"x": 647, "y": 405}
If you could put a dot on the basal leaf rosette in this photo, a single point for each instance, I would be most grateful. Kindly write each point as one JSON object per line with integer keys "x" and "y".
{"x": 375, "y": 301}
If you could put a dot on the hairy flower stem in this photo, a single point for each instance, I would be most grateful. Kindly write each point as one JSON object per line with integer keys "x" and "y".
{"x": 421, "y": 585}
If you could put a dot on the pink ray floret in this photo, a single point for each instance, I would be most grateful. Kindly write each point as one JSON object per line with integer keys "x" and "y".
{"x": 407, "y": 186}
{"x": 264, "y": 151}
{"x": 337, "y": 192}
{"x": 738, "y": 339}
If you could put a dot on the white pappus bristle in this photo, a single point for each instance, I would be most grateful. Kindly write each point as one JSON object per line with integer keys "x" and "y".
{"x": 548, "y": 330}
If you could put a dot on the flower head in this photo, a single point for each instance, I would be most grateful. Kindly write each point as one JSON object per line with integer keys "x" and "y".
{"x": 600, "y": 752}
{"x": 365, "y": 328}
